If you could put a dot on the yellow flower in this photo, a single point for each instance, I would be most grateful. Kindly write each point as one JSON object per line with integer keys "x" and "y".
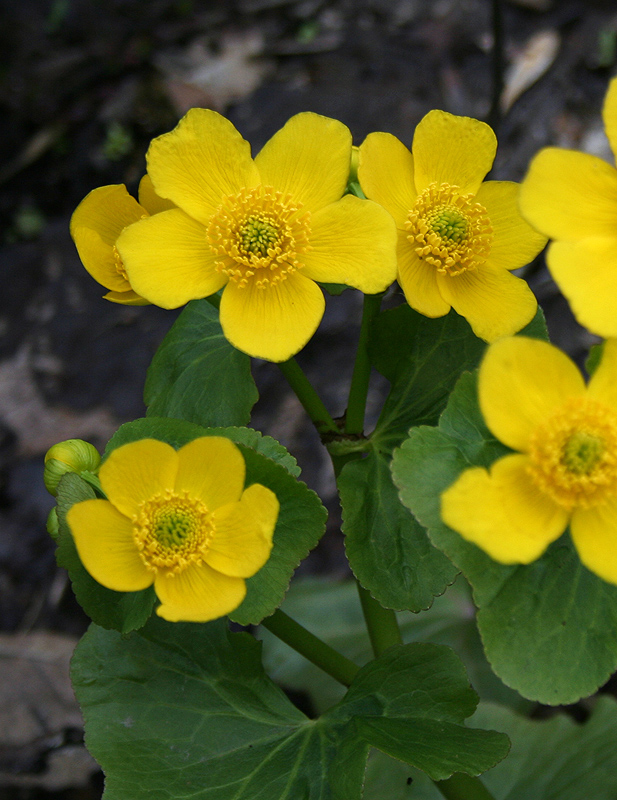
{"x": 265, "y": 229}
{"x": 179, "y": 519}
{"x": 572, "y": 198}
{"x": 535, "y": 401}
{"x": 95, "y": 226}
{"x": 457, "y": 236}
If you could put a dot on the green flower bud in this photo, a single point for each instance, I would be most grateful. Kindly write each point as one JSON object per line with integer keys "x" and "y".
{"x": 53, "y": 526}
{"x": 73, "y": 455}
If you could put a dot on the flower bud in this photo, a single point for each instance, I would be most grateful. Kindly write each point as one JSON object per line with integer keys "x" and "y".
{"x": 73, "y": 455}
{"x": 53, "y": 526}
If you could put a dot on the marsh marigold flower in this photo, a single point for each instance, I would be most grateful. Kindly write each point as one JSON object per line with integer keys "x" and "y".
{"x": 181, "y": 520}
{"x": 457, "y": 236}
{"x": 265, "y": 229}
{"x": 564, "y": 470}
{"x": 572, "y": 198}
{"x": 96, "y": 224}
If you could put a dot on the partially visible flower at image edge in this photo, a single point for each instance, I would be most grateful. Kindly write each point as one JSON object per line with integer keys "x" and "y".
{"x": 96, "y": 224}
{"x": 180, "y": 520}
{"x": 534, "y": 400}
{"x": 458, "y": 237}
{"x": 572, "y": 198}
{"x": 266, "y": 229}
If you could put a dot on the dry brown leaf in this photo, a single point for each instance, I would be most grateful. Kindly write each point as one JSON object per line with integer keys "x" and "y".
{"x": 197, "y": 77}
{"x": 528, "y": 65}
{"x": 40, "y": 721}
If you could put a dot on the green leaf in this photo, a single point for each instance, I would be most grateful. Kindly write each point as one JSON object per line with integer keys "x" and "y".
{"x": 301, "y": 520}
{"x": 423, "y": 358}
{"x": 183, "y": 710}
{"x": 387, "y": 778}
{"x": 449, "y": 621}
{"x": 556, "y": 759}
{"x": 197, "y": 375}
{"x": 549, "y": 628}
{"x": 122, "y": 611}
{"x": 411, "y": 703}
{"x": 388, "y": 551}
{"x": 593, "y": 359}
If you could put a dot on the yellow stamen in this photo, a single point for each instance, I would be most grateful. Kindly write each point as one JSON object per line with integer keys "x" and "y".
{"x": 574, "y": 454}
{"x": 260, "y": 235}
{"x": 449, "y": 230}
{"x": 172, "y": 531}
{"x": 119, "y": 264}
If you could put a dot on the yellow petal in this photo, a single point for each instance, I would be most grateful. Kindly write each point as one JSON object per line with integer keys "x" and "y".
{"x": 521, "y": 383}
{"x": 503, "y": 512}
{"x": 128, "y": 298}
{"x": 418, "y": 280}
{"x": 353, "y": 242}
{"x": 96, "y": 224}
{"x": 243, "y": 531}
{"x": 197, "y": 594}
{"x": 98, "y": 259}
{"x": 136, "y": 472}
{"x": 569, "y": 195}
{"x": 586, "y": 273}
{"x": 168, "y": 259}
{"x": 603, "y": 383}
{"x": 515, "y": 243}
{"x": 609, "y": 115}
{"x": 594, "y": 533}
{"x": 455, "y": 150}
{"x": 107, "y": 210}
{"x": 106, "y": 546}
{"x": 275, "y": 322}
{"x": 149, "y": 199}
{"x": 386, "y": 174}
{"x": 211, "y": 469}
{"x": 493, "y": 301}
{"x": 201, "y": 161}
{"x": 309, "y": 158}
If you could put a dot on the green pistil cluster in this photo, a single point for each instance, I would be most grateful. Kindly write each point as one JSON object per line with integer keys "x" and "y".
{"x": 449, "y": 224}
{"x": 581, "y": 452}
{"x": 258, "y": 236}
{"x": 172, "y": 527}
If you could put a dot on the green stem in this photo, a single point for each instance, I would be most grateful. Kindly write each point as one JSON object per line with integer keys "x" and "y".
{"x": 463, "y": 787}
{"x": 358, "y": 392}
{"x": 311, "y": 647}
{"x": 381, "y": 622}
{"x": 311, "y": 401}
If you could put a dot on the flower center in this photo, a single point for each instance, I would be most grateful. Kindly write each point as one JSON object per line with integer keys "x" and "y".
{"x": 259, "y": 235}
{"x": 172, "y": 531}
{"x": 574, "y": 454}
{"x": 448, "y": 230}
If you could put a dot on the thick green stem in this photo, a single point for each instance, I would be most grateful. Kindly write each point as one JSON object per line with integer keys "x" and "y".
{"x": 311, "y": 401}
{"x": 311, "y": 647}
{"x": 354, "y": 419}
{"x": 381, "y": 622}
{"x": 463, "y": 787}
